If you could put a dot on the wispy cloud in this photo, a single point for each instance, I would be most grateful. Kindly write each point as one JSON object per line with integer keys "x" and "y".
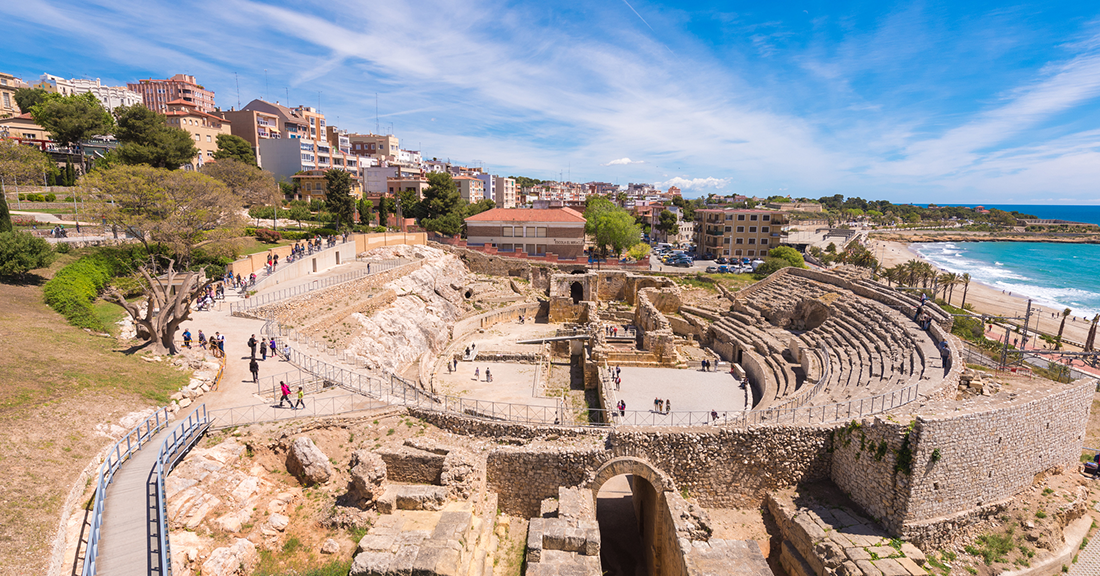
{"x": 693, "y": 183}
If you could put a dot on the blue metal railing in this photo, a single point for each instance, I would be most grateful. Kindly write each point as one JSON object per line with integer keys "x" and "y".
{"x": 118, "y": 455}
{"x": 174, "y": 447}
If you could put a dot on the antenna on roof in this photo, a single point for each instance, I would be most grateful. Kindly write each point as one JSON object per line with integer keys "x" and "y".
{"x": 238, "y": 81}
{"x": 287, "y": 94}
{"x": 267, "y": 86}
{"x": 377, "y": 126}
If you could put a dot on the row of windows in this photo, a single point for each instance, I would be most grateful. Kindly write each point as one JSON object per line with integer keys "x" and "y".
{"x": 763, "y": 241}
{"x": 748, "y": 253}
{"x": 752, "y": 229}
{"x": 752, "y": 217}
{"x": 536, "y": 249}
{"x": 532, "y": 232}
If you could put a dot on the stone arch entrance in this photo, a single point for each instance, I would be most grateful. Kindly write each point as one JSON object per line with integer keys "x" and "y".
{"x": 647, "y": 486}
{"x": 576, "y": 291}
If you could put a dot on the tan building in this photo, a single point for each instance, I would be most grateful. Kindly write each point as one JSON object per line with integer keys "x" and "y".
{"x": 22, "y": 127}
{"x": 416, "y": 183}
{"x": 383, "y": 148}
{"x": 253, "y": 126}
{"x": 157, "y": 94}
{"x": 55, "y": 85}
{"x": 737, "y": 233}
{"x": 203, "y": 127}
{"x": 505, "y": 191}
{"x": 8, "y": 85}
{"x": 557, "y": 231}
{"x": 312, "y": 185}
{"x": 471, "y": 189}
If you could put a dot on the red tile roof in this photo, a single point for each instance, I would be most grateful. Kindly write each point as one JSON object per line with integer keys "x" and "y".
{"x": 528, "y": 215}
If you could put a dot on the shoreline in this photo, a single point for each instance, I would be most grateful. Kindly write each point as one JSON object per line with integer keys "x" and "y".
{"x": 925, "y": 237}
{"x": 991, "y": 300}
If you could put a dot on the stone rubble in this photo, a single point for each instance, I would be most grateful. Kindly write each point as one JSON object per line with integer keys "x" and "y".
{"x": 307, "y": 463}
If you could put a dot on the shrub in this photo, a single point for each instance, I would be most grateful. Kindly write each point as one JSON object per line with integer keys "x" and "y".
{"x": 51, "y": 197}
{"x": 21, "y": 252}
{"x": 267, "y": 236}
{"x": 291, "y": 235}
{"x": 73, "y": 289}
{"x": 63, "y": 248}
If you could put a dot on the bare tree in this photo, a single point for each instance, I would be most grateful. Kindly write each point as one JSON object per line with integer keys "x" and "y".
{"x": 164, "y": 310}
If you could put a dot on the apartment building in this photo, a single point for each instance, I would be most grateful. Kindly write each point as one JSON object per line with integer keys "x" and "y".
{"x": 23, "y": 127}
{"x": 55, "y": 85}
{"x": 505, "y": 191}
{"x": 489, "y": 184}
{"x": 470, "y": 188}
{"x": 8, "y": 85}
{"x": 203, "y": 127}
{"x": 253, "y": 126}
{"x": 383, "y": 148}
{"x": 738, "y": 233}
{"x": 110, "y": 96}
{"x": 302, "y": 143}
{"x": 557, "y": 231}
{"x": 156, "y": 94}
{"x": 312, "y": 185}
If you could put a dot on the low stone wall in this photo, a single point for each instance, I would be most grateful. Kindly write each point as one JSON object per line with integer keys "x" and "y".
{"x": 338, "y": 296}
{"x": 405, "y": 464}
{"x": 511, "y": 313}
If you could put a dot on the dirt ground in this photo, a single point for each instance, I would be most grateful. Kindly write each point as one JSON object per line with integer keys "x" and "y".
{"x": 57, "y": 385}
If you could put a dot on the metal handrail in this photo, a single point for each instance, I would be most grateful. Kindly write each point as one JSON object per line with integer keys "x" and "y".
{"x": 115, "y": 458}
{"x": 236, "y": 308}
{"x": 173, "y": 448}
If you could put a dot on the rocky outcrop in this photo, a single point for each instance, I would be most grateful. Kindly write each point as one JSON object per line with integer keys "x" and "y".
{"x": 307, "y": 463}
{"x": 368, "y": 474}
{"x": 238, "y": 559}
{"x": 459, "y": 474}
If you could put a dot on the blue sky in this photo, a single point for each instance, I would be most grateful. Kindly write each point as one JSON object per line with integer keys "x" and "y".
{"x": 919, "y": 101}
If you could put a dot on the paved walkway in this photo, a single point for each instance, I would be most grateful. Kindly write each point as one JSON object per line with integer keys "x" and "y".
{"x": 1088, "y": 560}
{"x": 128, "y": 512}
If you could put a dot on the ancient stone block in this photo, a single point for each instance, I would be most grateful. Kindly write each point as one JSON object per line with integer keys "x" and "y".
{"x": 307, "y": 462}
{"x": 368, "y": 474}
{"x": 228, "y": 560}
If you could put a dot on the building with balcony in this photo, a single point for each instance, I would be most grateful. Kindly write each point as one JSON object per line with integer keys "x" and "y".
{"x": 203, "y": 127}
{"x": 23, "y": 128}
{"x": 471, "y": 189}
{"x": 156, "y": 94}
{"x": 505, "y": 191}
{"x": 312, "y": 185}
{"x": 110, "y": 96}
{"x": 383, "y": 148}
{"x": 302, "y": 143}
{"x": 253, "y": 126}
{"x": 489, "y": 183}
{"x": 8, "y": 85}
{"x": 738, "y": 233}
{"x": 557, "y": 231}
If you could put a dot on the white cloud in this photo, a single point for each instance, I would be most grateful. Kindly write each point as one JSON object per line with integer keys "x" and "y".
{"x": 693, "y": 183}
{"x": 623, "y": 162}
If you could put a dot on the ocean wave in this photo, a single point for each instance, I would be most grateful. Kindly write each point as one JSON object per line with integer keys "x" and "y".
{"x": 977, "y": 269}
{"x": 1082, "y": 302}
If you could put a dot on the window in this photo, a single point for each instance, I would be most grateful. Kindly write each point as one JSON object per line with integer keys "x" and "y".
{"x": 737, "y": 252}
{"x": 542, "y": 232}
{"x": 764, "y": 229}
{"x": 752, "y": 253}
{"x": 752, "y": 240}
{"x": 766, "y": 217}
{"x": 208, "y": 138}
{"x": 739, "y": 241}
{"x": 728, "y": 228}
{"x": 540, "y": 249}
{"x": 729, "y": 216}
{"x": 764, "y": 241}
{"x": 752, "y": 217}
{"x": 740, "y": 216}
{"x": 529, "y": 248}
{"x": 752, "y": 228}
{"x": 7, "y": 98}
{"x": 531, "y": 232}
{"x": 506, "y": 231}
{"x": 740, "y": 228}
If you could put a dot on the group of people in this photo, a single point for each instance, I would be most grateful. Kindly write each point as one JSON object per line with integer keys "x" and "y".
{"x": 613, "y": 331}
{"x": 265, "y": 346}
{"x": 216, "y": 342}
{"x": 922, "y": 318}
{"x": 488, "y": 375}
{"x": 59, "y": 231}
{"x": 285, "y": 391}
{"x": 662, "y": 406}
{"x": 238, "y": 281}
{"x": 708, "y": 366}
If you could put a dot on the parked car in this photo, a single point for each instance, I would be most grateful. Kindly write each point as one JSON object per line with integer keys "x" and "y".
{"x": 721, "y": 260}
{"x": 723, "y": 269}
{"x": 712, "y": 269}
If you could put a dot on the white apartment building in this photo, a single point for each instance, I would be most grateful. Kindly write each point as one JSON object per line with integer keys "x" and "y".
{"x": 490, "y": 186}
{"x": 505, "y": 189}
{"x": 110, "y": 96}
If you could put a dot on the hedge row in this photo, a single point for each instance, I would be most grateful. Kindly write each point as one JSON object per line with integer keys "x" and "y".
{"x": 73, "y": 289}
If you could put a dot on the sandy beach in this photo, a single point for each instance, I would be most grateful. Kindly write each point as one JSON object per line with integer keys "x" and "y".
{"x": 989, "y": 300}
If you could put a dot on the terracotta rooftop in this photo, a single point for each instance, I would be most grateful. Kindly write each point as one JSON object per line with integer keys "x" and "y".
{"x": 528, "y": 215}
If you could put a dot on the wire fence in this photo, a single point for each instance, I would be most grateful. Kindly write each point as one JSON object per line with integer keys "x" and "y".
{"x": 249, "y": 303}
{"x": 310, "y": 407}
{"x": 174, "y": 447}
{"x": 116, "y": 457}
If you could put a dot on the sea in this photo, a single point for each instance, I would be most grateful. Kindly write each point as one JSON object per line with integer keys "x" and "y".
{"x": 1083, "y": 213}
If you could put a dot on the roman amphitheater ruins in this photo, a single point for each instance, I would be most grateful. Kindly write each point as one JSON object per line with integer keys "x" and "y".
{"x": 816, "y": 378}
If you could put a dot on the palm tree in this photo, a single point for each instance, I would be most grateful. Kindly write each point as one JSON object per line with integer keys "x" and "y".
{"x": 948, "y": 281}
{"x": 1062, "y": 326}
{"x": 966, "y": 287}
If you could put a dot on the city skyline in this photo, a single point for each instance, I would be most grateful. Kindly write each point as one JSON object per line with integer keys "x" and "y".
{"x": 929, "y": 103}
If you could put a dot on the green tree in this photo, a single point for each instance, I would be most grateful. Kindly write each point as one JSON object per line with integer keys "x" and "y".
{"x": 366, "y": 211}
{"x": 235, "y": 147}
{"x": 28, "y": 98}
{"x": 19, "y": 163}
{"x": 146, "y": 138}
{"x": 616, "y": 230}
{"x": 411, "y": 206}
{"x": 338, "y": 197}
{"x": 299, "y": 213}
{"x": 687, "y": 206}
{"x": 386, "y": 206}
{"x": 595, "y": 206}
{"x": 254, "y": 186}
{"x": 71, "y": 120}
{"x": 780, "y": 257}
{"x": 481, "y": 206}
{"x": 21, "y": 252}
{"x": 5, "y": 214}
{"x": 443, "y": 207}
{"x": 668, "y": 223}
{"x": 638, "y": 251}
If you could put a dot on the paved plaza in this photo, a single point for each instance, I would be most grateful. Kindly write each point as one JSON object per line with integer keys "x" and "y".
{"x": 689, "y": 390}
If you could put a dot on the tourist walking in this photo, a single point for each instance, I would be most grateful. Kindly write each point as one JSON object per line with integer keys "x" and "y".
{"x": 622, "y": 408}
{"x": 271, "y": 347}
{"x": 286, "y": 352}
{"x": 477, "y": 373}
{"x": 300, "y": 403}
{"x": 254, "y": 367}
{"x": 202, "y": 340}
{"x": 656, "y": 402}
{"x": 263, "y": 349}
{"x": 668, "y": 405}
{"x": 252, "y": 346}
{"x": 221, "y": 344}
{"x": 285, "y": 391}
{"x": 488, "y": 376}
{"x": 186, "y": 338}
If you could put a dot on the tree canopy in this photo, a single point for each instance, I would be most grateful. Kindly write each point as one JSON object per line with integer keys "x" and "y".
{"x": 780, "y": 257}
{"x": 668, "y": 223}
{"x": 235, "y": 147}
{"x": 20, "y": 163}
{"x": 146, "y": 138}
{"x": 594, "y": 207}
{"x": 443, "y": 207}
{"x": 616, "y": 230}
{"x": 5, "y": 215}
{"x": 28, "y": 98}
{"x": 176, "y": 208}
{"x": 21, "y": 252}
{"x": 72, "y": 119}
{"x": 255, "y": 187}
{"x": 338, "y": 197}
